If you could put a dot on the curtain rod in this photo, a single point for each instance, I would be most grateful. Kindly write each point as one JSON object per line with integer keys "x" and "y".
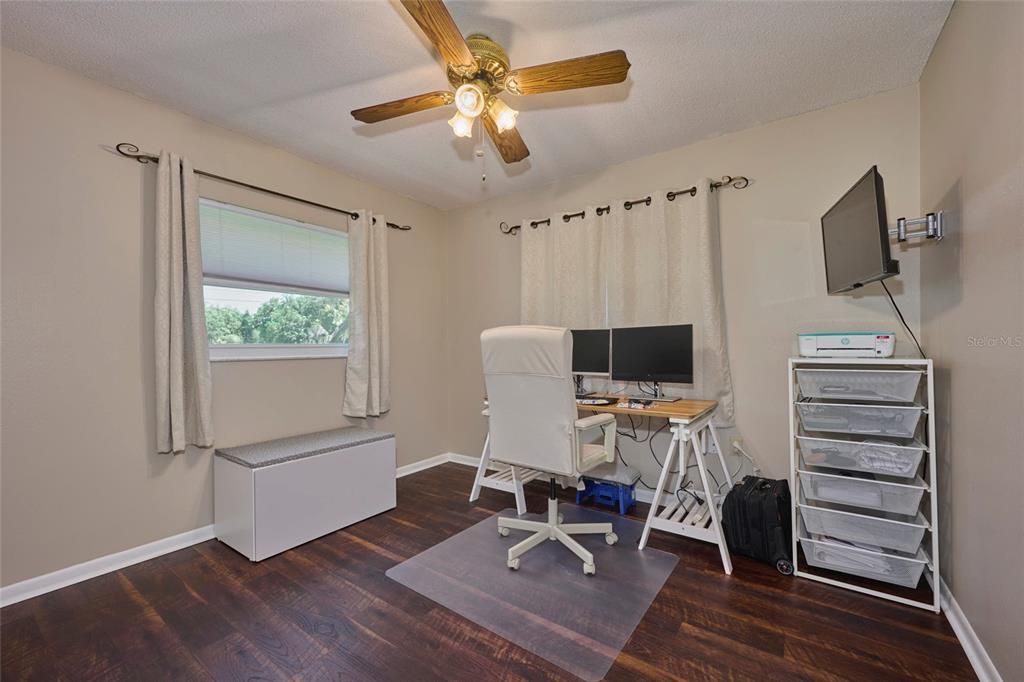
{"x": 132, "y": 152}
{"x": 737, "y": 182}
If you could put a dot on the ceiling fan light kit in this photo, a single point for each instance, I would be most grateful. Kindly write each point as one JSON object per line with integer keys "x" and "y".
{"x": 504, "y": 116}
{"x": 469, "y": 99}
{"x": 479, "y": 70}
{"x": 461, "y": 124}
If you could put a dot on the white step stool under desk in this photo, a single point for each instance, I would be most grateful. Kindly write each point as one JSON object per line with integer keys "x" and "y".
{"x": 275, "y": 495}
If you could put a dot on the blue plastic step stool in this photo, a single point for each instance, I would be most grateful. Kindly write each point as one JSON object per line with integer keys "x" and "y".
{"x": 611, "y": 485}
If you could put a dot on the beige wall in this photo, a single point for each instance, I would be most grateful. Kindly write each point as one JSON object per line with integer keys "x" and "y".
{"x": 972, "y": 167}
{"x": 771, "y": 253}
{"x": 80, "y": 479}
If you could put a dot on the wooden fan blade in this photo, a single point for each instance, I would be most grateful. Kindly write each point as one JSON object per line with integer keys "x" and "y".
{"x": 433, "y": 17}
{"x": 581, "y": 72}
{"x": 509, "y": 143}
{"x": 401, "y": 107}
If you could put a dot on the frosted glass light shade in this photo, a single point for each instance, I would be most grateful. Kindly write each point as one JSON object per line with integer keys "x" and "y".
{"x": 461, "y": 125}
{"x": 504, "y": 116}
{"x": 469, "y": 100}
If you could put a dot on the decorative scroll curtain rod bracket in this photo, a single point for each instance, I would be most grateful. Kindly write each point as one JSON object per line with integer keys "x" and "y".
{"x": 131, "y": 151}
{"x": 736, "y": 182}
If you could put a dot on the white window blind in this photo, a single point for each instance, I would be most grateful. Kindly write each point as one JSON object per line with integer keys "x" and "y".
{"x": 247, "y": 247}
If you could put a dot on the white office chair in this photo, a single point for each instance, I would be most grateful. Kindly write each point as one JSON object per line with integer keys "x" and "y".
{"x": 533, "y": 424}
{"x": 509, "y": 480}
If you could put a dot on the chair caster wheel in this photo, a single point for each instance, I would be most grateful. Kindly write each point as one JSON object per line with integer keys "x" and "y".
{"x": 561, "y": 518}
{"x": 503, "y": 532}
{"x": 611, "y": 538}
{"x": 514, "y": 564}
{"x": 589, "y": 569}
{"x": 784, "y": 566}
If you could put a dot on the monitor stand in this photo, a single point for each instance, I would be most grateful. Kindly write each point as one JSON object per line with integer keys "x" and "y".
{"x": 658, "y": 396}
{"x": 580, "y": 392}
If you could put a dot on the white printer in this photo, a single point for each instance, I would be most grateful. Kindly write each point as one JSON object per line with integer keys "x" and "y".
{"x": 847, "y": 344}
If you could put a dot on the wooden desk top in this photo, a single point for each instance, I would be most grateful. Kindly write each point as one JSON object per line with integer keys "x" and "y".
{"x": 680, "y": 411}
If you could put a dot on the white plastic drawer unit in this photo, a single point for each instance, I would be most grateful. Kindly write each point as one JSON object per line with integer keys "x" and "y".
{"x": 873, "y": 457}
{"x": 877, "y": 531}
{"x": 899, "y": 421}
{"x": 886, "y": 494}
{"x": 272, "y": 496}
{"x": 895, "y": 568}
{"x": 889, "y": 385}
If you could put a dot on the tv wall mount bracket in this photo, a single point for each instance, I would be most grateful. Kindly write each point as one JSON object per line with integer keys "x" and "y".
{"x": 932, "y": 228}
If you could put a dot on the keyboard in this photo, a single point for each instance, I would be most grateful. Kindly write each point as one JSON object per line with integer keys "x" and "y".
{"x": 595, "y": 401}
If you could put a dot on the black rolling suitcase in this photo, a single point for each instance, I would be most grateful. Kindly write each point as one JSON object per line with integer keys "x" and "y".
{"x": 757, "y": 517}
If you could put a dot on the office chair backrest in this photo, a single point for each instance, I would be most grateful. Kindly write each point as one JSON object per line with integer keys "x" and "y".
{"x": 528, "y": 372}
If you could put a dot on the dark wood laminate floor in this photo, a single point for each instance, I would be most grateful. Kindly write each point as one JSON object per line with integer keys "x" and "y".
{"x": 326, "y": 611}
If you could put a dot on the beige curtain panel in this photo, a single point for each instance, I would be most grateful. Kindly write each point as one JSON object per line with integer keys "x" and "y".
{"x": 563, "y": 272}
{"x": 368, "y": 370}
{"x": 651, "y": 265}
{"x": 184, "y": 390}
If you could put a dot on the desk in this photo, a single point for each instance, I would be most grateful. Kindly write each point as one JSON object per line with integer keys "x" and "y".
{"x": 691, "y": 427}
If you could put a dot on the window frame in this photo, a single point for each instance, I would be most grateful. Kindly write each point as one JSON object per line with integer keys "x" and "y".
{"x": 239, "y": 352}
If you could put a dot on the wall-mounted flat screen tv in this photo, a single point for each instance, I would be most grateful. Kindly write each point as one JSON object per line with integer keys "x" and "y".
{"x": 855, "y": 232}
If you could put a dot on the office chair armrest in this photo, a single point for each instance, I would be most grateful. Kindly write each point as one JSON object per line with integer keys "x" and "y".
{"x": 607, "y": 423}
{"x": 593, "y": 421}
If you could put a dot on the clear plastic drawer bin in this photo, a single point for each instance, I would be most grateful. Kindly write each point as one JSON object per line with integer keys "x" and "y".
{"x": 893, "y": 385}
{"x": 897, "y": 569}
{"x": 882, "y": 494}
{"x": 879, "y": 420}
{"x": 874, "y": 457}
{"x": 876, "y": 531}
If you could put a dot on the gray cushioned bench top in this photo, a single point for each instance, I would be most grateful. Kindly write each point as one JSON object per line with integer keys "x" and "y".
{"x": 299, "y": 447}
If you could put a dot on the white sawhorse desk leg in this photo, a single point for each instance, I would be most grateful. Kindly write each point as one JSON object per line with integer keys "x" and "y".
{"x": 685, "y": 517}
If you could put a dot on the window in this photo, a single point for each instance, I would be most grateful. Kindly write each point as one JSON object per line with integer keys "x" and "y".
{"x": 273, "y": 287}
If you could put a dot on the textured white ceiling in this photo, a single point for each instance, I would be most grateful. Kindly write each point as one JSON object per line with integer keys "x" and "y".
{"x": 289, "y": 73}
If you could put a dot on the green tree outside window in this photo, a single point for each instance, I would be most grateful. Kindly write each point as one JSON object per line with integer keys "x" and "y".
{"x": 286, "y": 319}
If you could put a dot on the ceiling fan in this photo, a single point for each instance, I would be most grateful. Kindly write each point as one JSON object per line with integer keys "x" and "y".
{"x": 479, "y": 70}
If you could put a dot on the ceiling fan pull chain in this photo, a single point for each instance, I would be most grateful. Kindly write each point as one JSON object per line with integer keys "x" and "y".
{"x": 480, "y": 153}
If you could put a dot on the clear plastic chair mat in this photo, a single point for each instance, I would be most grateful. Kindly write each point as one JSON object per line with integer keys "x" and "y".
{"x": 549, "y": 607}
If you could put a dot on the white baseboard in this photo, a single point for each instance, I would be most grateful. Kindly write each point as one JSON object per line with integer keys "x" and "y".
{"x": 33, "y": 587}
{"x": 983, "y": 666}
{"x": 423, "y": 464}
{"x": 465, "y": 460}
{"x": 437, "y": 460}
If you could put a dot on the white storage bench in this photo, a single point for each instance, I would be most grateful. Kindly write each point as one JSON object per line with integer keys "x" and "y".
{"x": 275, "y": 495}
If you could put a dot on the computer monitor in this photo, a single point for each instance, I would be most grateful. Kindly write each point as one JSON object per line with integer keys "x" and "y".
{"x": 590, "y": 351}
{"x": 662, "y": 354}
